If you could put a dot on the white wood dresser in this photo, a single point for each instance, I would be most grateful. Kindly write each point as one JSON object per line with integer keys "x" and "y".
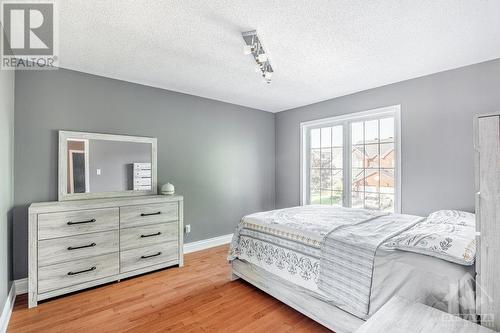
{"x": 487, "y": 146}
{"x": 80, "y": 244}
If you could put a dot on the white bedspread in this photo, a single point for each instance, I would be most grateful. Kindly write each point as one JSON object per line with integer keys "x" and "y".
{"x": 348, "y": 257}
{"x": 287, "y": 243}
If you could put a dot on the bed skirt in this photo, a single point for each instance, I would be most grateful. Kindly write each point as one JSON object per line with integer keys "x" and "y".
{"x": 307, "y": 302}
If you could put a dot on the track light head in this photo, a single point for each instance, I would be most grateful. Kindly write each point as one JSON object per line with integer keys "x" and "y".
{"x": 248, "y": 49}
{"x": 253, "y": 46}
{"x": 262, "y": 58}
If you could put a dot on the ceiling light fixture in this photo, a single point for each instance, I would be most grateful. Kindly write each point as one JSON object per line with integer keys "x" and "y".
{"x": 248, "y": 49}
{"x": 262, "y": 58}
{"x": 254, "y": 47}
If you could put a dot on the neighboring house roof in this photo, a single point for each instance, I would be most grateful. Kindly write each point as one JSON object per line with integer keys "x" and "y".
{"x": 388, "y": 152}
{"x": 386, "y": 140}
{"x": 361, "y": 153}
{"x": 356, "y": 147}
{"x": 368, "y": 173}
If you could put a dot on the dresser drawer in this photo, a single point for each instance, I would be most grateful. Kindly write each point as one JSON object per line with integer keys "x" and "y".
{"x": 142, "y": 173}
{"x": 71, "y": 223}
{"x": 142, "y": 181}
{"x": 131, "y": 238}
{"x": 134, "y": 216}
{"x": 79, "y": 271}
{"x": 148, "y": 256}
{"x": 52, "y": 251}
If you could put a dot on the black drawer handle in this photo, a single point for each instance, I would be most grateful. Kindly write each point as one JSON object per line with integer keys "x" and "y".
{"x": 81, "y": 222}
{"x": 84, "y": 271}
{"x": 81, "y": 247}
{"x": 149, "y": 214}
{"x": 152, "y": 255}
{"x": 151, "y": 235}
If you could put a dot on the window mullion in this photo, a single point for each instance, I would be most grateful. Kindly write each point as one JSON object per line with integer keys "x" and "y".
{"x": 307, "y": 183}
{"x": 364, "y": 164}
{"x": 346, "y": 165}
{"x": 308, "y": 167}
{"x": 331, "y": 165}
{"x": 379, "y": 161}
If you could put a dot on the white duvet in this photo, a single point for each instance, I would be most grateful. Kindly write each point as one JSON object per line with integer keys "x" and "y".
{"x": 287, "y": 243}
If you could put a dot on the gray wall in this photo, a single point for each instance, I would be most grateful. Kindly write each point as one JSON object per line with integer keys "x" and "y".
{"x": 437, "y": 132}
{"x": 6, "y": 179}
{"x": 114, "y": 159}
{"x": 219, "y": 156}
{"x": 222, "y": 156}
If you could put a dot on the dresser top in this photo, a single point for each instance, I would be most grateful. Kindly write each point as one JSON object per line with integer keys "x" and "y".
{"x": 491, "y": 114}
{"x": 60, "y": 206}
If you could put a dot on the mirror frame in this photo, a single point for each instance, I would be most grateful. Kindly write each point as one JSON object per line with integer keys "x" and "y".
{"x": 63, "y": 168}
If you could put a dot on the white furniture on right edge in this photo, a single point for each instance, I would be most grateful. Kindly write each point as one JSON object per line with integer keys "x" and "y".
{"x": 400, "y": 315}
{"x": 487, "y": 167}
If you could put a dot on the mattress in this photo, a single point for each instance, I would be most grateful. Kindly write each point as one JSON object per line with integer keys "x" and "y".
{"x": 292, "y": 252}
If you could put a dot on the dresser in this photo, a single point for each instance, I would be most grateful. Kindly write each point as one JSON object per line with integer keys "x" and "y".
{"x": 487, "y": 170}
{"x": 79, "y": 244}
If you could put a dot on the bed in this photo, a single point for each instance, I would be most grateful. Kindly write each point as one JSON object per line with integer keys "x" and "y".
{"x": 340, "y": 265}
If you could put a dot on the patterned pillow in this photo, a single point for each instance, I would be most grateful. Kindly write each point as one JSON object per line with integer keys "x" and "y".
{"x": 448, "y": 235}
{"x": 453, "y": 217}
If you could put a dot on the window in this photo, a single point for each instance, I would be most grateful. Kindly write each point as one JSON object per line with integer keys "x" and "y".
{"x": 326, "y": 165}
{"x": 352, "y": 160}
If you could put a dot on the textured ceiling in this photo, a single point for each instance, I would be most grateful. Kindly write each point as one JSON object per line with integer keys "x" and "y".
{"x": 319, "y": 49}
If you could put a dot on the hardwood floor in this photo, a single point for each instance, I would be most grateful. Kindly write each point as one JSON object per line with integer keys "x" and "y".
{"x": 198, "y": 297}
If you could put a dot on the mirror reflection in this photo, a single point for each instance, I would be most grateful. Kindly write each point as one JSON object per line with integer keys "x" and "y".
{"x": 96, "y": 166}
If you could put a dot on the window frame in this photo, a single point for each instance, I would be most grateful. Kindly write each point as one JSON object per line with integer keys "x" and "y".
{"x": 346, "y": 120}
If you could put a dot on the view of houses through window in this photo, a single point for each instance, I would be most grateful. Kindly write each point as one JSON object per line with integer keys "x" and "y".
{"x": 373, "y": 164}
{"x": 352, "y": 163}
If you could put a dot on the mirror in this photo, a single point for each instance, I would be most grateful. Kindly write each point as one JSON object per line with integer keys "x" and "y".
{"x": 93, "y": 165}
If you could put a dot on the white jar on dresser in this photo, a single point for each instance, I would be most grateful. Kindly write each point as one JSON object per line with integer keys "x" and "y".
{"x": 80, "y": 244}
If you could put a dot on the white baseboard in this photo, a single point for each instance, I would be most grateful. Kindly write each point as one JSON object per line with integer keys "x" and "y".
{"x": 21, "y": 285}
{"x": 207, "y": 243}
{"x": 7, "y": 309}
